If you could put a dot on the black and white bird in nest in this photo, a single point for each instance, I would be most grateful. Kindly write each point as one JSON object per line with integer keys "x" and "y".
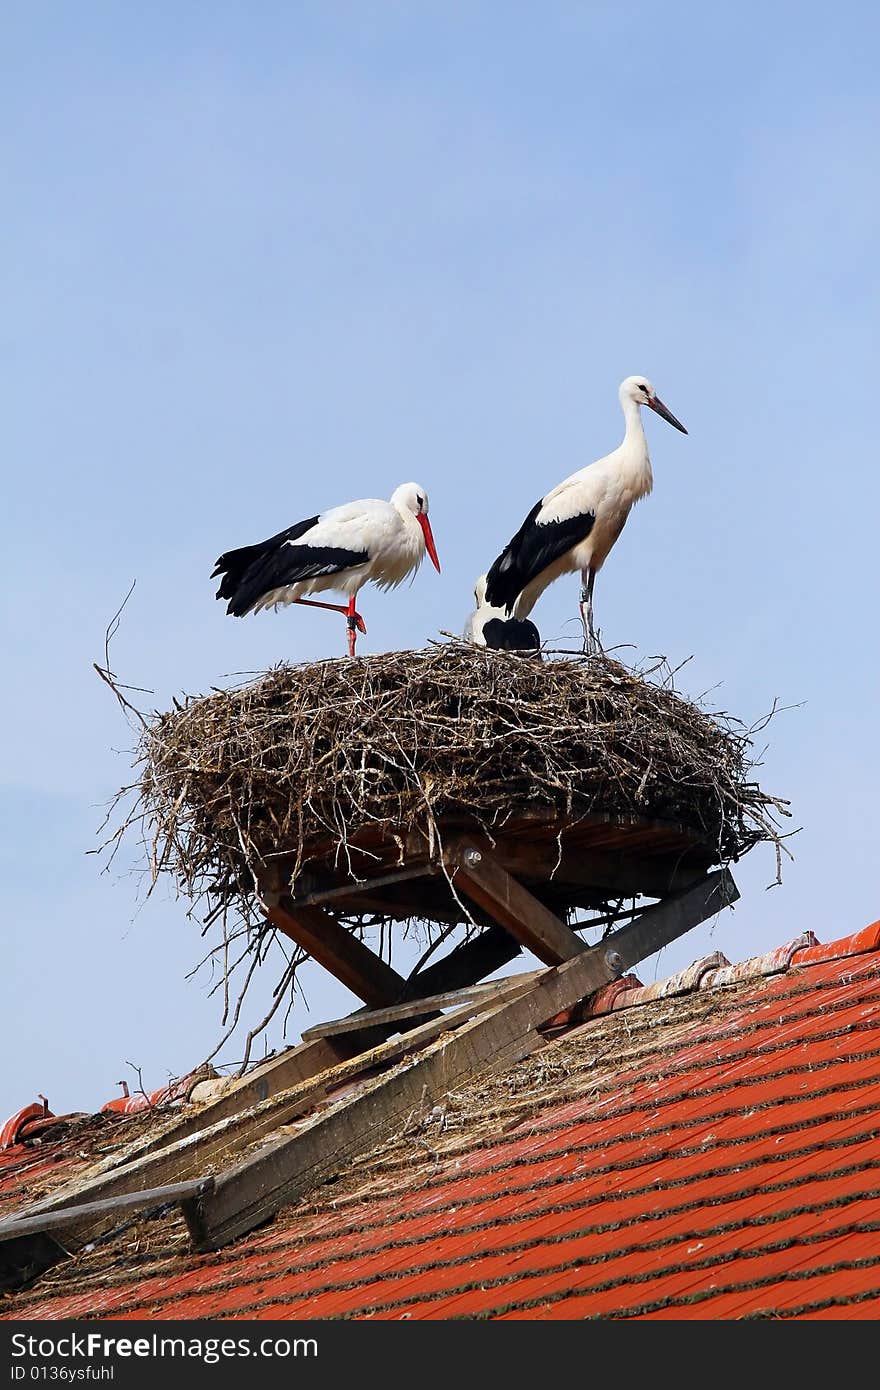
{"x": 574, "y": 526}
{"x": 369, "y": 541}
{"x": 491, "y": 627}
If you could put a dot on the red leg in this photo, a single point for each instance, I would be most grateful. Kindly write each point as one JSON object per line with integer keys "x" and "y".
{"x": 347, "y": 609}
{"x": 356, "y": 624}
{"x": 354, "y": 620}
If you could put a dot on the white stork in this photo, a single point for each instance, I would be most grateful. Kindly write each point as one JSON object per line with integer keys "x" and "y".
{"x": 342, "y": 549}
{"x": 574, "y": 526}
{"x": 492, "y": 627}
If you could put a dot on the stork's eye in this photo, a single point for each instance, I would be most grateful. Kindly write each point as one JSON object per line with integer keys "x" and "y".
{"x": 421, "y": 501}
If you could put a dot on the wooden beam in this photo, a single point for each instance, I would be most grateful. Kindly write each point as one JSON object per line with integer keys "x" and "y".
{"x": 67, "y": 1217}
{"x": 337, "y": 949}
{"x": 478, "y": 995}
{"x": 367, "y": 885}
{"x": 287, "y": 1167}
{"x": 91, "y": 1211}
{"x": 476, "y": 874}
{"x": 665, "y": 921}
{"x": 271, "y": 1078}
{"x": 620, "y": 872}
{"x": 472, "y": 960}
{"x": 284, "y": 1167}
{"x": 28, "y": 1246}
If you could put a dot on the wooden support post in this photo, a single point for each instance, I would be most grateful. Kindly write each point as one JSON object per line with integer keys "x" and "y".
{"x": 533, "y": 925}
{"x": 666, "y": 921}
{"x": 471, "y": 961}
{"x": 287, "y": 1167}
{"x": 338, "y": 950}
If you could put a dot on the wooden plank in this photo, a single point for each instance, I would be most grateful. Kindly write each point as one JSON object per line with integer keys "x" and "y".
{"x": 367, "y": 885}
{"x": 665, "y": 921}
{"x": 278, "y": 1074}
{"x": 286, "y": 1168}
{"x": 544, "y": 822}
{"x": 620, "y": 872}
{"x": 337, "y": 949}
{"x": 472, "y": 960}
{"x": 478, "y": 994}
{"x": 67, "y": 1217}
{"x": 466, "y": 963}
{"x": 215, "y": 1145}
{"x": 269, "y": 1079}
{"x": 478, "y": 876}
{"x": 28, "y": 1248}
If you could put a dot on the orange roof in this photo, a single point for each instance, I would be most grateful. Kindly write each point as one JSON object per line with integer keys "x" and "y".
{"x": 707, "y": 1147}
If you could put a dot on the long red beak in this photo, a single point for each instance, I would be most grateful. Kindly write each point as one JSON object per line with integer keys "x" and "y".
{"x": 429, "y": 539}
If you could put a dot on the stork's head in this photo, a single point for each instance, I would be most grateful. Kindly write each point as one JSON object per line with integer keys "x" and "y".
{"x": 412, "y": 497}
{"x": 640, "y": 390}
{"x": 480, "y": 591}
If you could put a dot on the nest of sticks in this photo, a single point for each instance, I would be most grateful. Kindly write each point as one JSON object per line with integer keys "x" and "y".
{"x": 310, "y": 761}
{"x": 336, "y": 766}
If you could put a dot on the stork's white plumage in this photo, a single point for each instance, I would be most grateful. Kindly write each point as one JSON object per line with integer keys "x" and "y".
{"x": 369, "y": 541}
{"x": 493, "y": 627}
{"x": 574, "y": 526}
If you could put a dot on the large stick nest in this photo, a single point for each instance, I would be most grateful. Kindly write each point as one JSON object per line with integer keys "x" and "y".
{"x": 337, "y": 771}
{"x": 307, "y": 762}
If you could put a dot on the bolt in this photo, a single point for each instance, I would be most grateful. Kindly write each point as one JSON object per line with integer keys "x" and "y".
{"x": 614, "y": 961}
{"x": 472, "y": 856}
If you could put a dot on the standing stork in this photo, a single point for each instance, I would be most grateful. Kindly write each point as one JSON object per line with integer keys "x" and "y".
{"x": 369, "y": 541}
{"x": 574, "y": 526}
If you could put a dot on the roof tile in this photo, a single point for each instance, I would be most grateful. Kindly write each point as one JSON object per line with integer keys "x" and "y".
{"x": 707, "y": 1147}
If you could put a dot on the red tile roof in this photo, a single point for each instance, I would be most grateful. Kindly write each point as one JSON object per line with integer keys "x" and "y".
{"x": 707, "y": 1147}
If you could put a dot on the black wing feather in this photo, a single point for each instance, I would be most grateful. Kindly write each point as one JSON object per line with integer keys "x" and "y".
{"x": 535, "y": 546}
{"x": 233, "y": 564}
{"x": 512, "y": 635}
{"x": 254, "y": 570}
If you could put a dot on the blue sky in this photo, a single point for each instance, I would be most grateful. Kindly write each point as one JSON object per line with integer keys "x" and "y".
{"x": 263, "y": 259}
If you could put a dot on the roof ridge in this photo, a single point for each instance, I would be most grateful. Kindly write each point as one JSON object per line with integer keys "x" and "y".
{"x": 715, "y": 971}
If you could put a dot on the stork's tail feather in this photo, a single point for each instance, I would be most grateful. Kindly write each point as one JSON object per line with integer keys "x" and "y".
{"x": 233, "y": 566}
{"x": 240, "y": 568}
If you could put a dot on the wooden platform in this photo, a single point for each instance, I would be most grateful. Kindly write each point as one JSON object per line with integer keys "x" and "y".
{"x": 580, "y": 863}
{"x": 519, "y": 884}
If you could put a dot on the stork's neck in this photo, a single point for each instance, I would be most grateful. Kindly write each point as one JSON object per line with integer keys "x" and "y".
{"x": 635, "y": 447}
{"x": 634, "y": 434}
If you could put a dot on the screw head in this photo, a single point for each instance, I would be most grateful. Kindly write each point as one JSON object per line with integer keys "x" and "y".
{"x": 614, "y": 961}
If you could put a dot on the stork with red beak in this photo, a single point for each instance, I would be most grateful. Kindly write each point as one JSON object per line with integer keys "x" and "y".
{"x": 343, "y": 549}
{"x": 574, "y": 526}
